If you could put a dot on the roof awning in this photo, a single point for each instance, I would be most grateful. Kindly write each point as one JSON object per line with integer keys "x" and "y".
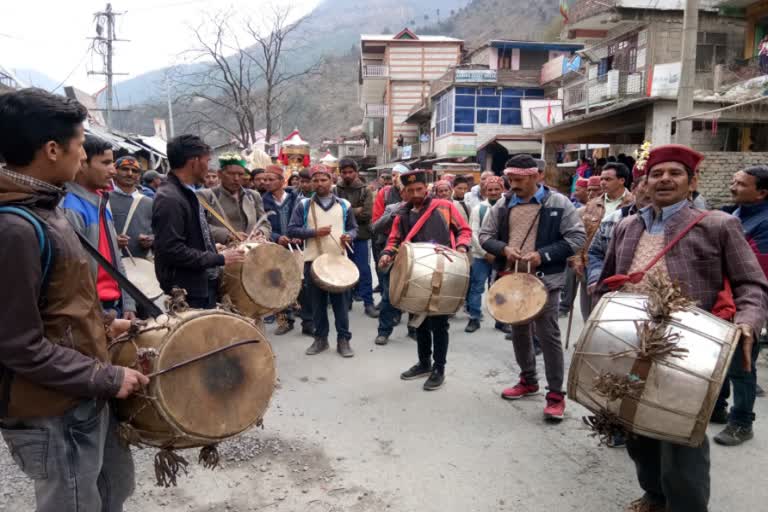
{"x": 514, "y": 143}
{"x": 118, "y": 142}
{"x": 621, "y": 123}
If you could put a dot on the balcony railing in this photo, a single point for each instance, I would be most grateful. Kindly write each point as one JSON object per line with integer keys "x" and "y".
{"x": 375, "y": 71}
{"x": 375, "y": 110}
{"x": 613, "y": 86}
{"x": 738, "y": 70}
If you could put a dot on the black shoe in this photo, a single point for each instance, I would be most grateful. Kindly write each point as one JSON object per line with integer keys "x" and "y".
{"x": 378, "y": 306}
{"x": 398, "y": 318}
{"x": 412, "y": 333}
{"x": 381, "y": 340}
{"x": 505, "y": 328}
{"x": 319, "y": 345}
{"x": 307, "y": 331}
{"x": 435, "y": 380}
{"x": 377, "y": 289}
{"x": 416, "y": 371}
{"x": 371, "y": 311}
{"x": 357, "y": 298}
{"x": 269, "y": 319}
{"x": 719, "y": 416}
{"x": 734, "y": 435}
{"x": 473, "y": 325}
{"x": 283, "y": 329}
{"x": 508, "y": 336}
{"x": 343, "y": 348}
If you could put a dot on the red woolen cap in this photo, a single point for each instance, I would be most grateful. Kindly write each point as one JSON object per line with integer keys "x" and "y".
{"x": 593, "y": 181}
{"x": 674, "y": 153}
{"x": 320, "y": 169}
{"x": 582, "y": 182}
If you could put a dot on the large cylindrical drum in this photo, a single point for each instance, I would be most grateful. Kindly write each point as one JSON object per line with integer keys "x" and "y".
{"x": 429, "y": 279}
{"x": 201, "y": 402}
{"x": 269, "y": 280}
{"x": 674, "y": 396}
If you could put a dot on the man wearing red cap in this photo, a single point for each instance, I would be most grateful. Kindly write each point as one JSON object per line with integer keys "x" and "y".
{"x": 539, "y": 229}
{"x": 580, "y": 196}
{"x": 675, "y": 478}
{"x": 594, "y": 189}
{"x": 324, "y": 221}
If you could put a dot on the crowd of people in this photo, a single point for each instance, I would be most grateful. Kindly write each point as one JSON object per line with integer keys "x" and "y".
{"x": 58, "y": 184}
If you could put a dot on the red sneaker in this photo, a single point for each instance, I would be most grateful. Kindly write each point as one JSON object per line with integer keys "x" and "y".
{"x": 520, "y": 390}
{"x": 555, "y": 409}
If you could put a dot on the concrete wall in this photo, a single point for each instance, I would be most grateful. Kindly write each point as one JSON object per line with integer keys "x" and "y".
{"x": 718, "y": 168}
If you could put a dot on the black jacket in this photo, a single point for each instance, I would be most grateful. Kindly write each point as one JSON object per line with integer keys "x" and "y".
{"x": 181, "y": 257}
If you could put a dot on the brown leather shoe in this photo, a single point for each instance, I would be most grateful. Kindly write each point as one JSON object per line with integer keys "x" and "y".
{"x": 644, "y": 505}
{"x": 319, "y": 345}
{"x": 343, "y": 348}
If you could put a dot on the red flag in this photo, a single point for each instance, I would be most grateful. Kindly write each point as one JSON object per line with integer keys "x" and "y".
{"x": 549, "y": 113}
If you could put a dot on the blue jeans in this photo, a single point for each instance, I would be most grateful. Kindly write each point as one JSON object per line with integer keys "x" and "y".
{"x": 319, "y": 299}
{"x": 478, "y": 278}
{"x": 744, "y": 389}
{"x": 76, "y": 461}
{"x": 361, "y": 258}
{"x": 388, "y": 314}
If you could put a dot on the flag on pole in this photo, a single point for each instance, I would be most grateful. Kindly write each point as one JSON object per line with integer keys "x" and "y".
{"x": 549, "y": 113}
{"x": 564, "y": 9}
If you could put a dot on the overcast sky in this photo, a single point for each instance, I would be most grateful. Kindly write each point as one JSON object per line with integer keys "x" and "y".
{"x": 50, "y": 35}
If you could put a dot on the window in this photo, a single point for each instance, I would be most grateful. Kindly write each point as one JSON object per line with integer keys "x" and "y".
{"x": 710, "y": 50}
{"x": 465, "y": 109}
{"x": 444, "y": 114}
{"x": 488, "y": 105}
{"x": 505, "y": 58}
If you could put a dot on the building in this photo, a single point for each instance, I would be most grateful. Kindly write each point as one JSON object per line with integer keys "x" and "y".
{"x": 395, "y": 75}
{"x": 621, "y": 89}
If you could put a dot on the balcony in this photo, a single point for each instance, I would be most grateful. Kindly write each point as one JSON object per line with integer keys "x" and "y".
{"x": 613, "y": 86}
{"x": 375, "y": 110}
{"x": 737, "y": 71}
{"x": 375, "y": 71}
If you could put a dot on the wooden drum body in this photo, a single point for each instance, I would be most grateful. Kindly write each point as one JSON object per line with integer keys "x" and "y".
{"x": 679, "y": 394}
{"x": 204, "y": 401}
{"x": 429, "y": 281}
{"x": 268, "y": 281}
{"x": 334, "y": 273}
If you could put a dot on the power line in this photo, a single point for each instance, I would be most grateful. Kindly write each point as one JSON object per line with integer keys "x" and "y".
{"x": 103, "y": 45}
{"x": 82, "y": 60}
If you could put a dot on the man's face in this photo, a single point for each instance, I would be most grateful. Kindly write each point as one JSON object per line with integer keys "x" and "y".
{"x": 523, "y": 186}
{"x": 99, "y": 171}
{"x": 70, "y": 159}
{"x": 581, "y": 194}
{"x": 442, "y": 191}
{"x": 258, "y": 182}
{"x": 385, "y": 180}
{"x": 322, "y": 184}
{"x": 306, "y": 186}
{"x": 460, "y": 190}
{"x": 211, "y": 179}
{"x": 668, "y": 184}
{"x": 416, "y": 193}
{"x": 272, "y": 182}
{"x": 744, "y": 189}
{"x": 594, "y": 191}
{"x": 610, "y": 183}
{"x": 200, "y": 168}
{"x": 348, "y": 174}
{"x": 493, "y": 191}
{"x": 127, "y": 176}
{"x": 231, "y": 177}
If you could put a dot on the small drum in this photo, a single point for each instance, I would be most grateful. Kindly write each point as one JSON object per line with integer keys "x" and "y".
{"x": 141, "y": 273}
{"x": 429, "y": 279}
{"x": 679, "y": 393}
{"x": 516, "y": 298}
{"x": 204, "y": 401}
{"x": 334, "y": 273}
{"x": 269, "y": 280}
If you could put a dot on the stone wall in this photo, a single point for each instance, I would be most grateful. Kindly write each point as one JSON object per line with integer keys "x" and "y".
{"x": 718, "y": 168}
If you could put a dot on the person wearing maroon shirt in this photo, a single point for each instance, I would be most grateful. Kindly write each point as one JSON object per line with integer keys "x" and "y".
{"x": 444, "y": 226}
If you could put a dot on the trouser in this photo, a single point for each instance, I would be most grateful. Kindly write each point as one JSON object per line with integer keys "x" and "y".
{"x": 306, "y": 311}
{"x": 339, "y": 303}
{"x": 433, "y": 334}
{"x": 671, "y": 474}
{"x": 744, "y": 389}
{"x": 568, "y": 295}
{"x": 548, "y": 332}
{"x": 478, "y": 278}
{"x": 76, "y": 461}
{"x": 362, "y": 257}
{"x": 388, "y": 314}
{"x": 208, "y": 301}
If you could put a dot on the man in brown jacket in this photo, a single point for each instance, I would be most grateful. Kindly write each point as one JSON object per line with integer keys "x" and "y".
{"x": 675, "y": 478}
{"x": 55, "y": 381}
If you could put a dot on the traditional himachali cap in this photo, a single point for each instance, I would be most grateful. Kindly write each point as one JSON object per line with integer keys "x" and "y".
{"x": 320, "y": 169}
{"x": 449, "y": 178}
{"x": 521, "y": 165}
{"x": 494, "y": 179}
{"x": 226, "y": 159}
{"x": 582, "y": 183}
{"x": 127, "y": 161}
{"x": 674, "y": 153}
{"x": 411, "y": 177}
{"x": 593, "y": 181}
{"x": 274, "y": 169}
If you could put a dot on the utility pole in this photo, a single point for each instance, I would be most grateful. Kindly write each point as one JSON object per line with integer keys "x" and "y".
{"x": 687, "y": 72}
{"x": 170, "y": 107}
{"x": 103, "y": 45}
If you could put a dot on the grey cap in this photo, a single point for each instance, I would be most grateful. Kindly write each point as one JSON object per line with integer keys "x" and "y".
{"x": 151, "y": 176}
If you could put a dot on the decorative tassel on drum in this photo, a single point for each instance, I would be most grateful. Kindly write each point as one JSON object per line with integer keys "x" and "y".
{"x": 209, "y": 456}
{"x": 168, "y": 465}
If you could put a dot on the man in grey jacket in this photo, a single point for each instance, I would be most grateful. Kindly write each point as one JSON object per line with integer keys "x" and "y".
{"x": 131, "y": 209}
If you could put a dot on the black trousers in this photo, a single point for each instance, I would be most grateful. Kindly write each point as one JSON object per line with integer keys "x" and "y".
{"x": 671, "y": 474}
{"x": 433, "y": 332}
{"x": 208, "y": 302}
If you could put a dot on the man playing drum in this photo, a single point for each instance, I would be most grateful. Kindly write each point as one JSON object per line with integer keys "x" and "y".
{"x": 327, "y": 223}
{"x": 444, "y": 226}
{"x": 240, "y": 207}
{"x": 675, "y": 478}
{"x": 537, "y": 227}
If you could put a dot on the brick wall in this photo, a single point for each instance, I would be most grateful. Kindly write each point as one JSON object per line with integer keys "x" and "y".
{"x": 718, "y": 168}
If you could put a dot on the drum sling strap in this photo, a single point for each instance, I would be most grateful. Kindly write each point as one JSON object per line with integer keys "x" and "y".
{"x": 218, "y": 217}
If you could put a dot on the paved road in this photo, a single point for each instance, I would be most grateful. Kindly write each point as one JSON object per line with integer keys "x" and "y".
{"x": 349, "y": 435}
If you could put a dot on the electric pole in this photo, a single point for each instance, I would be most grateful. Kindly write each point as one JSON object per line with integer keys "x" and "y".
{"x": 103, "y": 45}
{"x": 687, "y": 72}
{"x": 170, "y": 107}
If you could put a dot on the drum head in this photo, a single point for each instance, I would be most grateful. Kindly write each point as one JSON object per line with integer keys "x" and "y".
{"x": 141, "y": 273}
{"x": 271, "y": 276}
{"x": 516, "y": 298}
{"x": 401, "y": 270}
{"x": 335, "y": 272}
{"x": 221, "y": 395}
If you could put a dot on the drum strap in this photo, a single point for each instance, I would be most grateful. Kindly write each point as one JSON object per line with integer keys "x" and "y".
{"x": 617, "y": 281}
{"x": 218, "y": 217}
{"x": 131, "y": 212}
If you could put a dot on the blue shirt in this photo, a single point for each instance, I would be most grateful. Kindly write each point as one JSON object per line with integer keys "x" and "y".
{"x": 655, "y": 223}
{"x": 537, "y": 198}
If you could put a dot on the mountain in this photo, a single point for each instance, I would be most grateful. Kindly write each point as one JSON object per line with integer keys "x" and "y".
{"x": 34, "y": 78}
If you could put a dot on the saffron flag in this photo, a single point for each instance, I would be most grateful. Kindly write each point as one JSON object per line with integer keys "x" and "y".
{"x": 564, "y": 9}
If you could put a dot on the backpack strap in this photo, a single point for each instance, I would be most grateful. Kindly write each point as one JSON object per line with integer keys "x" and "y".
{"x": 44, "y": 242}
